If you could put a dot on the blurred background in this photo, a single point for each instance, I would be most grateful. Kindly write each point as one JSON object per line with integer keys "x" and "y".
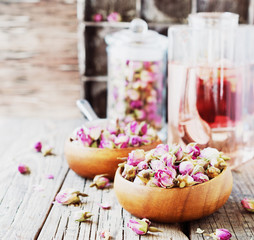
{"x": 52, "y": 52}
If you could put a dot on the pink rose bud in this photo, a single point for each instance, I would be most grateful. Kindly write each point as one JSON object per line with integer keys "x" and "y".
{"x": 23, "y": 169}
{"x": 133, "y": 94}
{"x": 147, "y": 139}
{"x": 135, "y": 157}
{"x": 97, "y": 17}
{"x": 140, "y": 114}
{"x": 69, "y": 196}
{"x": 95, "y": 133}
{"x": 132, "y": 128}
{"x": 38, "y": 146}
{"x": 248, "y": 204}
{"x": 168, "y": 159}
{"x": 178, "y": 151}
{"x": 142, "y": 165}
{"x": 186, "y": 167}
{"x": 141, "y": 227}
{"x": 135, "y": 141}
{"x": 106, "y": 144}
{"x": 146, "y": 76}
{"x": 85, "y": 139}
{"x": 122, "y": 141}
{"x": 157, "y": 164}
{"x": 136, "y": 104}
{"x": 82, "y": 216}
{"x": 114, "y": 17}
{"x": 185, "y": 181}
{"x": 100, "y": 181}
{"x": 161, "y": 149}
{"x": 200, "y": 177}
{"x": 193, "y": 149}
{"x": 129, "y": 172}
{"x": 143, "y": 128}
{"x": 221, "y": 234}
{"x": 136, "y": 65}
{"x": 165, "y": 177}
{"x": 151, "y": 132}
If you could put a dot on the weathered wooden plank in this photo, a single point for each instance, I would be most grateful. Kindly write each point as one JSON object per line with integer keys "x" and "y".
{"x": 25, "y": 199}
{"x": 232, "y": 216}
{"x": 113, "y": 220}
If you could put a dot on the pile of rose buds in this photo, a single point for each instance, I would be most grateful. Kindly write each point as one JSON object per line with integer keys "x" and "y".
{"x": 171, "y": 166}
{"x": 139, "y": 95}
{"x": 118, "y": 135}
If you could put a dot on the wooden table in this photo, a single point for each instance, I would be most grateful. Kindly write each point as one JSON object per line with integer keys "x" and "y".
{"x": 27, "y": 212}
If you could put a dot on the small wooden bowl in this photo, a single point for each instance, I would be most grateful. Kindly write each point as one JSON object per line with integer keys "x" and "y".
{"x": 89, "y": 162}
{"x": 174, "y": 205}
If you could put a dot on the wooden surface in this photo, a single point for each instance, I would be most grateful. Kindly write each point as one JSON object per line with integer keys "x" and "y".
{"x": 27, "y": 212}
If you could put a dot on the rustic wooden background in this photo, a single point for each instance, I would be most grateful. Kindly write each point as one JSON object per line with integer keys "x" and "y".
{"x": 38, "y": 58}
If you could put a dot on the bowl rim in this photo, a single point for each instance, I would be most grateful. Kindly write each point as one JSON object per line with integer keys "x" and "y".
{"x": 158, "y": 141}
{"x": 118, "y": 174}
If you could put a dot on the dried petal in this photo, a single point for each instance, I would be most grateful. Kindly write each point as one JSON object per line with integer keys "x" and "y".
{"x": 50, "y": 176}
{"x": 199, "y": 230}
{"x": 104, "y": 205}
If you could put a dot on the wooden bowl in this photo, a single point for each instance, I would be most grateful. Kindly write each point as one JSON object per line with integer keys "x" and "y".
{"x": 174, "y": 205}
{"x": 89, "y": 162}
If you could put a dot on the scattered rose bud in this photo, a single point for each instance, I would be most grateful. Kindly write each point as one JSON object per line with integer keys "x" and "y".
{"x": 50, "y": 176}
{"x": 221, "y": 234}
{"x": 248, "y": 204}
{"x": 100, "y": 181}
{"x": 141, "y": 227}
{"x": 97, "y": 17}
{"x": 105, "y": 235}
{"x": 47, "y": 151}
{"x": 23, "y": 169}
{"x": 186, "y": 167}
{"x": 199, "y": 230}
{"x": 38, "y": 146}
{"x": 82, "y": 216}
{"x": 114, "y": 17}
{"x": 69, "y": 196}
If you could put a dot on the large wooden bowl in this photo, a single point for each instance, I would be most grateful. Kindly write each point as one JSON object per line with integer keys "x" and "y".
{"x": 173, "y": 205}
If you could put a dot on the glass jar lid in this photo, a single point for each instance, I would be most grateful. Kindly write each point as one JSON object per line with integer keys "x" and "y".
{"x": 137, "y": 35}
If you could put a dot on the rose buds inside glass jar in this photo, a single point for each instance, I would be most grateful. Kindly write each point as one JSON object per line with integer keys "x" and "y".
{"x": 136, "y": 73}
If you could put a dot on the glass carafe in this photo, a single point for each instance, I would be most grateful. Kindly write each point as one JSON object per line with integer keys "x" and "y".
{"x": 208, "y": 74}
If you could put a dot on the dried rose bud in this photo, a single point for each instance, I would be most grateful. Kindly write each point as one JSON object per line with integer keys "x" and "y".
{"x": 136, "y": 104}
{"x": 151, "y": 132}
{"x": 152, "y": 183}
{"x": 69, "y": 196}
{"x": 193, "y": 149}
{"x": 47, "y": 151}
{"x": 82, "y": 216}
{"x": 141, "y": 227}
{"x": 132, "y": 128}
{"x": 142, "y": 165}
{"x": 133, "y": 94}
{"x": 221, "y": 234}
{"x": 161, "y": 149}
{"x": 129, "y": 172}
{"x": 185, "y": 181}
{"x": 122, "y": 140}
{"x": 135, "y": 141}
{"x": 143, "y": 128}
{"x": 145, "y": 175}
{"x": 146, "y": 76}
{"x": 146, "y": 139}
{"x": 212, "y": 172}
{"x": 105, "y": 235}
{"x": 178, "y": 151}
{"x": 186, "y": 167}
{"x": 135, "y": 157}
{"x": 95, "y": 132}
{"x": 100, "y": 181}
{"x": 114, "y": 17}
{"x": 84, "y": 138}
{"x": 211, "y": 154}
{"x": 106, "y": 144}
{"x": 197, "y": 169}
{"x": 169, "y": 159}
{"x": 165, "y": 177}
{"x": 248, "y": 204}
{"x": 38, "y": 146}
{"x": 200, "y": 177}
{"x": 140, "y": 114}
{"x": 23, "y": 169}
{"x": 97, "y": 17}
{"x": 157, "y": 164}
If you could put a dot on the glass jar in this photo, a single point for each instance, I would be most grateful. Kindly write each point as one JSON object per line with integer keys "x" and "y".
{"x": 136, "y": 73}
{"x": 208, "y": 78}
